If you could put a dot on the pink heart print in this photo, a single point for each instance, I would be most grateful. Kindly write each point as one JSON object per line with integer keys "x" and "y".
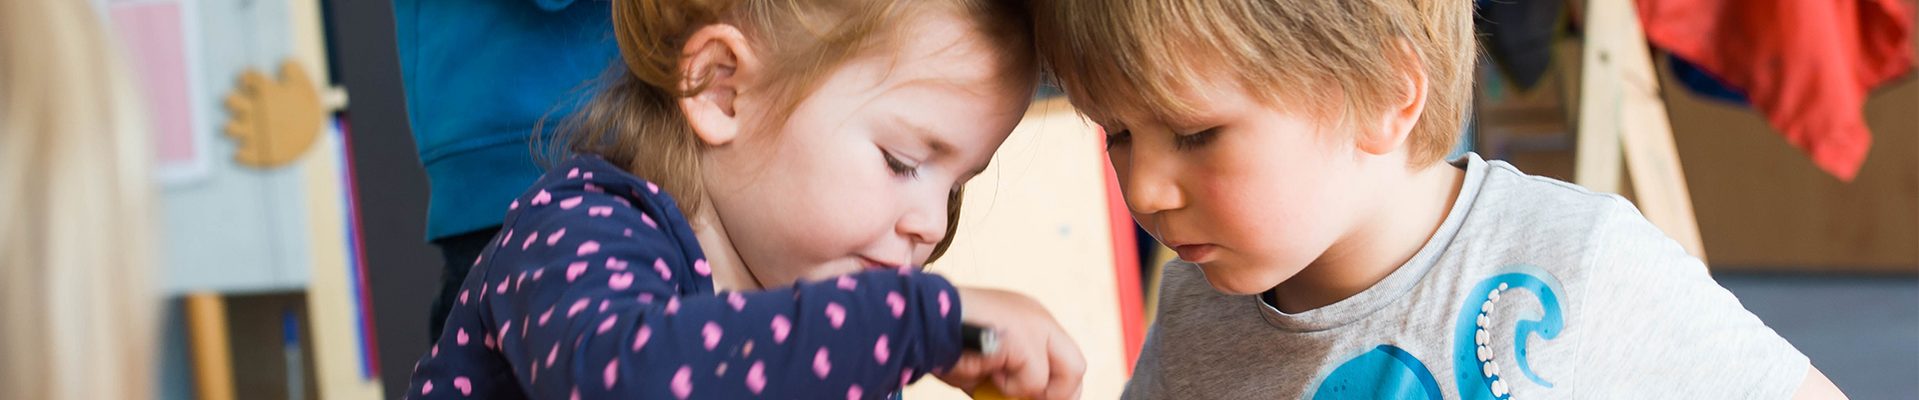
{"x": 946, "y": 304}
{"x": 781, "y": 327}
{"x": 620, "y": 281}
{"x": 577, "y": 307}
{"x": 835, "y": 314}
{"x": 756, "y": 377}
{"x": 737, "y": 300}
{"x": 608, "y": 323}
{"x": 683, "y": 382}
{"x": 897, "y": 302}
{"x": 612, "y": 373}
{"x": 821, "y": 364}
{"x": 639, "y": 339}
{"x": 574, "y": 270}
{"x": 712, "y": 333}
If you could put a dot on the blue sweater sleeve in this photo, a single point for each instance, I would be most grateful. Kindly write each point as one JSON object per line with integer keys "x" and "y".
{"x": 556, "y": 5}
{"x": 591, "y": 297}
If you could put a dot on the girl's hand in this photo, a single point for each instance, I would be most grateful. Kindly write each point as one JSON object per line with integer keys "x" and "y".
{"x": 1035, "y": 359}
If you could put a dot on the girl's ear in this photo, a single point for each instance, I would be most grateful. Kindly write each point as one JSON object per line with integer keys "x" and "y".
{"x": 716, "y": 67}
{"x": 1397, "y": 122}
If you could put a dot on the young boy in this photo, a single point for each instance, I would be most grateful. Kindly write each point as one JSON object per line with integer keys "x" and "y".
{"x": 1290, "y": 152}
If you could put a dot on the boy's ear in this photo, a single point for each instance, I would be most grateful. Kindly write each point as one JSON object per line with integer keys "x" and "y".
{"x": 716, "y": 67}
{"x": 1402, "y": 114}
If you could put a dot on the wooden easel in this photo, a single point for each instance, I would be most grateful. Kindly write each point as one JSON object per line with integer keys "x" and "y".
{"x": 1620, "y": 112}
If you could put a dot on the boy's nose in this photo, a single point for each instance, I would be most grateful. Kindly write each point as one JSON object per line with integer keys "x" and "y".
{"x": 1145, "y": 179}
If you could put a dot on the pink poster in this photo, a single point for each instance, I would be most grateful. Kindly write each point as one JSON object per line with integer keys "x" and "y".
{"x": 153, "y": 35}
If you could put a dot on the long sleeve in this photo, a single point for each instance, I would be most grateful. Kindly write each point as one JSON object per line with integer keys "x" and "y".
{"x": 589, "y": 294}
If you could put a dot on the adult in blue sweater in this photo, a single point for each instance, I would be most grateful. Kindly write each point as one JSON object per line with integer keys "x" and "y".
{"x": 479, "y": 75}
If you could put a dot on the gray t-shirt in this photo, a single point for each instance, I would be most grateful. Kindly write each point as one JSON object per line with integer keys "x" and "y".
{"x": 1531, "y": 288}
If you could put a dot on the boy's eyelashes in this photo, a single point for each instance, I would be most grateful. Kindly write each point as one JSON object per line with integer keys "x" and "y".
{"x": 899, "y": 168}
{"x": 1195, "y": 140}
{"x": 1188, "y": 141}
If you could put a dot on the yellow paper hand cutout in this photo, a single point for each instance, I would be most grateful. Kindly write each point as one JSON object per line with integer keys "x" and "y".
{"x": 273, "y": 122}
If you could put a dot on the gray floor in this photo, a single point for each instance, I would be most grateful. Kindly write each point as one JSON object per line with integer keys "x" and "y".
{"x": 1863, "y": 332}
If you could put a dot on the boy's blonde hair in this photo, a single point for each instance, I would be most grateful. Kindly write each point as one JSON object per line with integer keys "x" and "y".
{"x": 78, "y": 306}
{"x": 1135, "y": 56}
{"x": 635, "y": 120}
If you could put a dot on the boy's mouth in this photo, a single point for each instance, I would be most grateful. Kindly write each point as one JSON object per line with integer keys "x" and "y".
{"x": 1195, "y": 253}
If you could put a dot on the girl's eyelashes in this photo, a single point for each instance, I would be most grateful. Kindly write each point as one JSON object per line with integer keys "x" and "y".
{"x": 1195, "y": 140}
{"x": 1119, "y": 138}
{"x": 899, "y": 168}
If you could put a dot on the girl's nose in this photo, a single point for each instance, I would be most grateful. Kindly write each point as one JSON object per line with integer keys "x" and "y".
{"x": 923, "y": 224}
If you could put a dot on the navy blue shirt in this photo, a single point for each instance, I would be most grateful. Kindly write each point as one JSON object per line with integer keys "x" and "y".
{"x": 597, "y": 288}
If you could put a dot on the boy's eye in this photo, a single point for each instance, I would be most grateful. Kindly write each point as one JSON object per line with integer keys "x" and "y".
{"x": 1119, "y": 138}
{"x": 898, "y": 167}
{"x": 1194, "y": 140}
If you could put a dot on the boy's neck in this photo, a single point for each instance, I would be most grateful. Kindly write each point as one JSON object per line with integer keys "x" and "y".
{"x": 729, "y": 273}
{"x": 1409, "y": 211}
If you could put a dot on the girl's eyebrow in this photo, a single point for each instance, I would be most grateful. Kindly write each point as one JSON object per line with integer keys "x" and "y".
{"x": 932, "y": 140}
{"x": 927, "y": 136}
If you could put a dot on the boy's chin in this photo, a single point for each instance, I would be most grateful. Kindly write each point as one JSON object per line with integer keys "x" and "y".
{"x": 1228, "y": 281}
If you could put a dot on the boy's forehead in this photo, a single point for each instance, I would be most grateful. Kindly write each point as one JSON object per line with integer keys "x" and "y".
{"x": 1180, "y": 102}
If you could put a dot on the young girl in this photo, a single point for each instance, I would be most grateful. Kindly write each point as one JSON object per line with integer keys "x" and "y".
{"x": 744, "y": 211}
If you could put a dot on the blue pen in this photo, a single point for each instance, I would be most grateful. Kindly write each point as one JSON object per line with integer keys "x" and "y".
{"x": 290, "y": 329}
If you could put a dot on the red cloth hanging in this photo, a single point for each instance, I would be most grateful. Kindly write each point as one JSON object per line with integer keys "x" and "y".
{"x": 1807, "y": 65}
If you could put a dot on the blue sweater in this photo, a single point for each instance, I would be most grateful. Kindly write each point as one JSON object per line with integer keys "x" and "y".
{"x": 597, "y": 288}
{"x": 478, "y": 74}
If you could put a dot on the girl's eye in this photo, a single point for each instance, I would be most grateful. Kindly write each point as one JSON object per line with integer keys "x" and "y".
{"x": 1195, "y": 140}
{"x": 898, "y": 167}
{"x": 1120, "y": 138}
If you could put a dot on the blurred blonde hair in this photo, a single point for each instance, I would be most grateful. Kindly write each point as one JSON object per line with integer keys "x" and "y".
{"x": 77, "y": 301}
{"x": 636, "y": 121}
{"x": 1338, "y": 60}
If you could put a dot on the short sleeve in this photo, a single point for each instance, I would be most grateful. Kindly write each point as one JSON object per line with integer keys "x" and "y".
{"x": 1657, "y": 325}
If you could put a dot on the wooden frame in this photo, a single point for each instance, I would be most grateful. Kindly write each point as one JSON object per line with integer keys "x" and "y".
{"x": 1620, "y": 112}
